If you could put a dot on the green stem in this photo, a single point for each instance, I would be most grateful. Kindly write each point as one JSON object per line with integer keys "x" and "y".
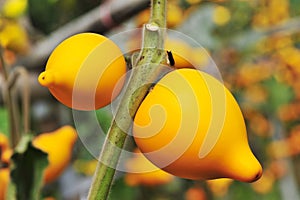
{"x": 146, "y": 71}
{"x": 10, "y": 103}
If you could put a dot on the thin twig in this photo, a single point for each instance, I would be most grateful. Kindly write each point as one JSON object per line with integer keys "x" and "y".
{"x": 26, "y": 101}
{"x": 11, "y": 104}
{"x": 3, "y": 64}
{"x": 25, "y": 90}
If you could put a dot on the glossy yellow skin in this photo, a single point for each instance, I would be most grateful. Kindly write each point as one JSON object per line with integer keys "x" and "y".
{"x": 191, "y": 126}
{"x": 142, "y": 172}
{"x": 85, "y": 71}
{"x": 186, "y": 56}
{"x": 59, "y": 146}
{"x": 181, "y": 52}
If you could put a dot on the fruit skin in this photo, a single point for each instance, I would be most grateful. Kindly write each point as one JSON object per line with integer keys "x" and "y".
{"x": 5, "y": 155}
{"x": 59, "y": 146}
{"x": 191, "y": 126}
{"x": 181, "y": 52}
{"x": 83, "y": 71}
{"x": 185, "y": 55}
{"x": 4, "y": 143}
{"x": 142, "y": 172}
{"x": 4, "y": 180}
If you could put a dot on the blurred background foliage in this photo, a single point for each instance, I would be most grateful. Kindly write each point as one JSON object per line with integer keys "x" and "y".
{"x": 256, "y": 46}
{"x": 51, "y": 14}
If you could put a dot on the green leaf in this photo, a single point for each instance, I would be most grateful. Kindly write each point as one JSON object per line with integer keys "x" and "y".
{"x": 3, "y": 121}
{"x": 239, "y": 190}
{"x": 122, "y": 191}
{"x": 27, "y": 171}
{"x": 279, "y": 93}
{"x": 294, "y": 7}
{"x": 104, "y": 118}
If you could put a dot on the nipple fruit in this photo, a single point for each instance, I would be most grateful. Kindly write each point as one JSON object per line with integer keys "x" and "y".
{"x": 191, "y": 126}
{"x": 85, "y": 71}
{"x": 59, "y": 147}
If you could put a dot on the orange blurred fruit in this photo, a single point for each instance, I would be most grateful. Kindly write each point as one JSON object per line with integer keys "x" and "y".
{"x": 4, "y": 180}
{"x": 5, "y": 154}
{"x": 59, "y": 147}
{"x": 195, "y": 193}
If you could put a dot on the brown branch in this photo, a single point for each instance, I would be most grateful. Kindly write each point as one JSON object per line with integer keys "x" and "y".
{"x": 100, "y": 20}
{"x": 38, "y": 91}
{"x": 11, "y": 104}
{"x": 24, "y": 90}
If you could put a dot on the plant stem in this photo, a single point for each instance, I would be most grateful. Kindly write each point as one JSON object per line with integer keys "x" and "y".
{"x": 146, "y": 71}
{"x": 18, "y": 72}
{"x": 10, "y": 103}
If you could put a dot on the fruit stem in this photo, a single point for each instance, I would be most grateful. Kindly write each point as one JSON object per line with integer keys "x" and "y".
{"x": 10, "y": 103}
{"x": 145, "y": 72}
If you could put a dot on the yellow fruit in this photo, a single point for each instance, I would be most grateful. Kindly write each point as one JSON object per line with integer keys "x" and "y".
{"x": 13, "y": 36}
{"x": 143, "y": 172}
{"x": 4, "y": 143}
{"x": 142, "y": 18}
{"x": 14, "y": 8}
{"x": 58, "y": 145}
{"x": 83, "y": 71}
{"x": 195, "y": 193}
{"x": 219, "y": 186}
{"x": 191, "y": 126}
{"x": 221, "y": 15}
{"x": 181, "y": 52}
{"x": 200, "y": 58}
{"x": 5, "y": 154}
{"x": 4, "y": 180}
{"x": 86, "y": 167}
{"x": 49, "y": 198}
{"x": 175, "y": 15}
{"x": 5, "y": 150}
